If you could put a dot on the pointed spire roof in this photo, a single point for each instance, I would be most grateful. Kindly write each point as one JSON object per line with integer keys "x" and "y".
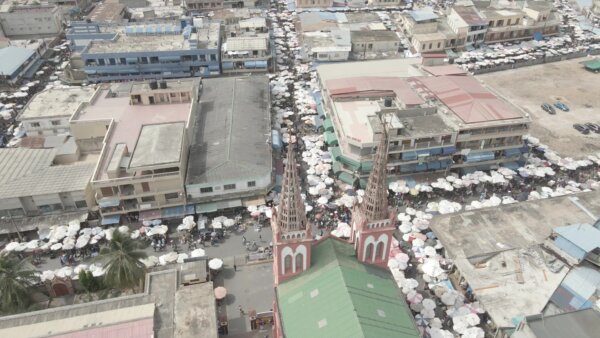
{"x": 291, "y": 211}
{"x": 375, "y": 204}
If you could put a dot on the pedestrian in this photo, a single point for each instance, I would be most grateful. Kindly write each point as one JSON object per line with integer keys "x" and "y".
{"x": 243, "y": 240}
{"x": 241, "y": 310}
{"x": 234, "y": 267}
{"x": 260, "y": 237}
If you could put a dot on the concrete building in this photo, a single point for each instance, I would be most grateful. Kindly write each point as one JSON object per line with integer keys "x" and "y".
{"x": 141, "y": 130}
{"x": 512, "y": 24}
{"x": 81, "y": 33}
{"x": 577, "y": 243}
{"x": 446, "y": 121}
{"x": 156, "y": 51}
{"x": 49, "y": 111}
{"x": 33, "y": 183}
{"x": 26, "y": 22}
{"x": 107, "y": 13}
{"x": 314, "y": 3}
{"x": 498, "y": 252}
{"x": 334, "y": 45}
{"x": 230, "y": 158}
{"x": 246, "y": 46}
{"x": 468, "y": 24}
{"x": 210, "y": 5}
{"x": 157, "y": 11}
{"x": 308, "y": 274}
{"x": 384, "y": 3}
{"x": 371, "y": 44}
{"x": 163, "y": 309}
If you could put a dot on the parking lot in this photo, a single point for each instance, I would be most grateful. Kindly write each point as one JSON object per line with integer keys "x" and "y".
{"x": 568, "y": 81}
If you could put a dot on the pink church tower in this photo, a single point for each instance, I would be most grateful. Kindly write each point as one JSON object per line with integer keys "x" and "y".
{"x": 292, "y": 236}
{"x": 373, "y": 223}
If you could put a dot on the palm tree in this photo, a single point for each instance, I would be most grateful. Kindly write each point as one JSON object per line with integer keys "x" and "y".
{"x": 122, "y": 259}
{"x": 16, "y": 279}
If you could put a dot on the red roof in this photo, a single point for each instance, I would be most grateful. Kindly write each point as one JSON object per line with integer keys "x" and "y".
{"x": 468, "y": 99}
{"x": 444, "y": 70}
{"x": 373, "y": 86}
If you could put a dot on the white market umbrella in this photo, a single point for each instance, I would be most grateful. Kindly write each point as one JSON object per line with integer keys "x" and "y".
{"x": 124, "y": 229}
{"x": 82, "y": 241}
{"x": 198, "y": 253}
{"x": 168, "y": 258}
{"x": 150, "y": 261}
{"x": 229, "y": 223}
{"x": 215, "y": 264}
{"x": 11, "y": 246}
{"x": 181, "y": 257}
{"x": 56, "y": 246}
{"x": 217, "y": 225}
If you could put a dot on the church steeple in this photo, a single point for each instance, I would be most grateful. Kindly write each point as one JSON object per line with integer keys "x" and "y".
{"x": 291, "y": 211}
{"x": 372, "y": 222}
{"x": 292, "y": 235}
{"x": 375, "y": 204}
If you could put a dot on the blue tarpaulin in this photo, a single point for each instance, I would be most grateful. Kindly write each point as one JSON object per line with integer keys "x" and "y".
{"x": 109, "y": 220}
{"x": 179, "y": 211}
{"x": 479, "y": 157}
{"x": 512, "y": 152}
{"x": 410, "y": 155}
{"x": 109, "y": 202}
{"x": 448, "y": 150}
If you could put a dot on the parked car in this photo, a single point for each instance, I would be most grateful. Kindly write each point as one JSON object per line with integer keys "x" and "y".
{"x": 548, "y": 108}
{"x": 561, "y": 106}
{"x": 581, "y": 128}
{"x": 593, "y": 127}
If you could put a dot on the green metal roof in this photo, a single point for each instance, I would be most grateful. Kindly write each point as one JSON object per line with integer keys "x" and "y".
{"x": 592, "y": 64}
{"x": 331, "y": 138}
{"x": 341, "y": 297}
{"x": 336, "y": 152}
{"x": 327, "y": 124}
{"x": 366, "y": 166}
{"x": 346, "y": 178}
{"x": 337, "y": 167}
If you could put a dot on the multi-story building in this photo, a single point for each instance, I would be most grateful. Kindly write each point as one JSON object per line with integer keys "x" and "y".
{"x": 468, "y": 24}
{"x": 314, "y": 3}
{"x": 367, "y": 44}
{"x": 31, "y": 21}
{"x": 17, "y": 62}
{"x": 512, "y": 24}
{"x": 230, "y": 159}
{"x": 71, "y": 6}
{"x": 155, "y": 51}
{"x": 443, "y": 122}
{"x": 422, "y": 27}
{"x": 210, "y": 5}
{"x": 141, "y": 130}
{"x": 246, "y": 46}
{"x": 33, "y": 183}
{"x": 49, "y": 111}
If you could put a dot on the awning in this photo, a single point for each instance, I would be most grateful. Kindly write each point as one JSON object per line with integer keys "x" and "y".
{"x": 109, "y": 220}
{"x": 215, "y": 206}
{"x": 148, "y": 215}
{"x": 327, "y": 124}
{"x": 366, "y": 166}
{"x": 346, "y": 178}
{"x": 512, "y": 152}
{"x": 331, "y": 138}
{"x": 256, "y": 201}
{"x": 172, "y": 212}
{"x": 337, "y": 167}
{"x": 511, "y": 165}
{"x": 337, "y": 155}
{"x": 109, "y": 202}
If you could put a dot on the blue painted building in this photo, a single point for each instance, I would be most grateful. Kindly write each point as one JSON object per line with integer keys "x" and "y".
{"x": 80, "y": 33}
{"x": 158, "y": 51}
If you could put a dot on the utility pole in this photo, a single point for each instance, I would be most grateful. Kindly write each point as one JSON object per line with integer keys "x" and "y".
{"x": 12, "y": 222}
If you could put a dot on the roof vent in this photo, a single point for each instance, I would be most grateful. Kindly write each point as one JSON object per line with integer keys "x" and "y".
{"x": 381, "y": 313}
{"x": 322, "y": 323}
{"x": 370, "y": 286}
{"x": 314, "y": 293}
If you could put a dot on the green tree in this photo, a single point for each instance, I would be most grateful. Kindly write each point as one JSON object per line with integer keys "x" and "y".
{"x": 17, "y": 277}
{"x": 122, "y": 260}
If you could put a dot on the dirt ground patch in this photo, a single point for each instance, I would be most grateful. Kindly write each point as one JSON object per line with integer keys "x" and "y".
{"x": 568, "y": 81}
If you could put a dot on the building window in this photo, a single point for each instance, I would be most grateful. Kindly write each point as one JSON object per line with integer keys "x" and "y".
{"x": 147, "y": 199}
{"x": 80, "y": 204}
{"x": 251, "y": 184}
{"x": 229, "y": 186}
{"x": 34, "y": 124}
{"x": 213, "y": 57}
{"x": 206, "y": 190}
{"x": 55, "y": 122}
{"x": 145, "y": 187}
{"x": 172, "y": 195}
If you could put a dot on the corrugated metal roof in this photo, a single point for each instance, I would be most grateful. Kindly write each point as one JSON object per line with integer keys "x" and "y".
{"x": 341, "y": 297}
{"x": 422, "y": 15}
{"x": 582, "y": 280}
{"x": 243, "y": 43}
{"x": 580, "y": 324}
{"x": 370, "y": 85}
{"x": 584, "y": 236}
{"x": 18, "y": 162}
{"x": 468, "y": 99}
{"x": 11, "y": 58}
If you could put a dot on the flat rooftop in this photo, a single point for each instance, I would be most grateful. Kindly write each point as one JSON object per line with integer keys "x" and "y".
{"x": 57, "y": 102}
{"x": 376, "y": 35}
{"x": 477, "y": 234}
{"x": 230, "y": 137}
{"x": 470, "y": 16}
{"x": 195, "y": 311}
{"x": 158, "y": 144}
{"x": 206, "y": 38}
{"x": 354, "y": 118}
{"x": 392, "y": 68}
{"x": 107, "y": 12}
{"x": 369, "y": 86}
{"x": 336, "y": 39}
{"x": 11, "y": 58}
{"x": 128, "y": 120}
